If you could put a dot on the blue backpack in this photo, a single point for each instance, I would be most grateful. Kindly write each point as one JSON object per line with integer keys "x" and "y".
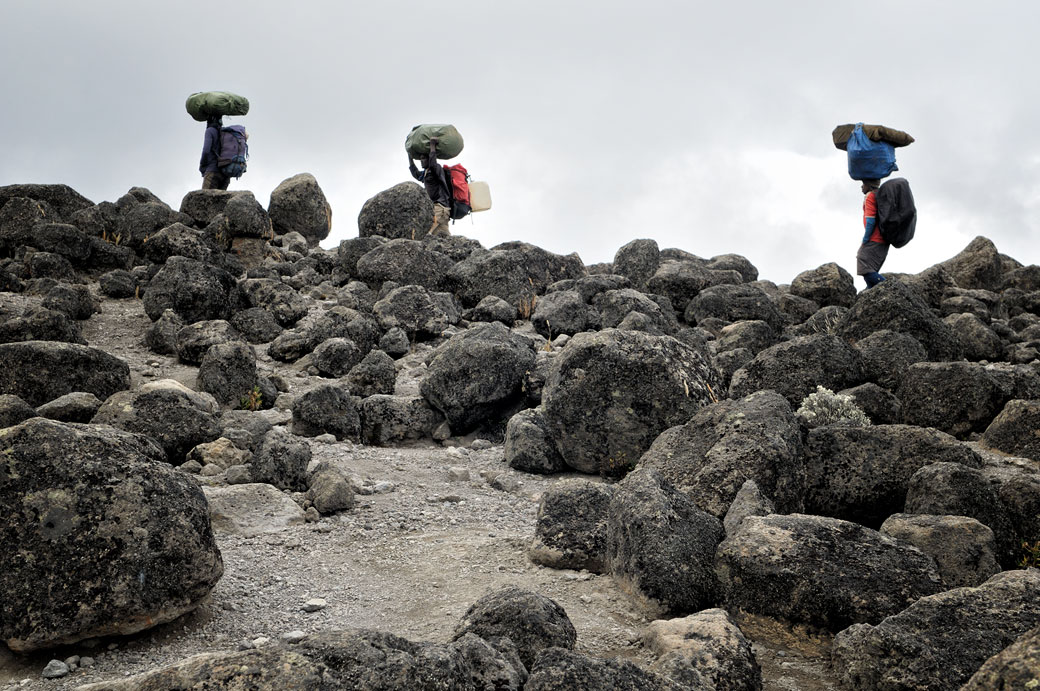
{"x": 868, "y": 159}
{"x": 233, "y": 151}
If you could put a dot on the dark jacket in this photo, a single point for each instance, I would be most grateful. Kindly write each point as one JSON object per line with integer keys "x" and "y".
{"x": 433, "y": 178}
{"x": 210, "y": 150}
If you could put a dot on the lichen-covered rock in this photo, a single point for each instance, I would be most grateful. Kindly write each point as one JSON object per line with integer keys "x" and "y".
{"x": 78, "y": 406}
{"x": 826, "y": 285}
{"x": 977, "y": 340}
{"x": 204, "y": 205}
{"x": 228, "y": 372}
{"x": 101, "y": 536}
{"x": 616, "y": 305}
{"x": 681, "y": 281}
{"x": 821, "y": 571}
{"x": 74, "y": 301}
{"x": 955, "y": 397}
{"x": 41, "y": 324}
{"x": 939, "y": 641}
{"x": 709, "y": 642}
{"x": 256, "y": 325}
{"x": 173, "y": 415}
{"x": 558, "y": 669}
{"x": 402, "y": 212}
{"x": 727, "y": 443}
{"x": 388, "y": 419}
{"x": 1015, "y": 667}
{"x": 513, "y": 271}
{"x": 562, "y": 312}
{"x": 195, "y": 290}
{"x": 887, "y": 354}
{"x": 491, "y": 309}
{"x": 749, "y": 502}
{"x": 754, "y": 334}
{"x": 732, "y": 303}
{"x": 637, "y": 261}
{"x": 415, "y": 310}
{"x": 299, "y": 206}
{"x": 571, "y": 528}
{"x": 862, "y": 474}
{"x": 329, "y": 491}
{"x": 529, "y": 445}
{"x": 894, "y": 306}
{"x": 611, "y": 393}
{"x": 660, "y": 546}
{"x": 281, "y": 460}
{"x": 327, "y": 409}
{"x": 962, "y": 547}
{"x": 14, "y": 410}
{"x": 278, "y": 298}
{"x": 1014, "y": 430}
{"x": 531, "y": 621}
{"x": 40, "y": 371}
{"x": 795, "y": 368}
{"x": 405, "y": 262}
{"x": 195, "y": 340}
{"x": 375, "y": 374}
{"x": 478, "y": 375}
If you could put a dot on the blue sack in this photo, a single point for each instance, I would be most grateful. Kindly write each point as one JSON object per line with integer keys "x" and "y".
{"x": 869, "y": 160}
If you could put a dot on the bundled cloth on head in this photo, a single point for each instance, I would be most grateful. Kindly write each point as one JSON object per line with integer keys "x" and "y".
{"x": 877, "y": 133}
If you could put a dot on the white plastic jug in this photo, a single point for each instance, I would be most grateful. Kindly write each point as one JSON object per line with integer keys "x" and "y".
{"x": 479, "y": 196}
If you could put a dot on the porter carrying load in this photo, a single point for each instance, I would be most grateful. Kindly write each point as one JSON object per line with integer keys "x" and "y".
{"x": 449, "y": 141}
{"x": 871, "y": 149}
{"x": 210, "y": 104}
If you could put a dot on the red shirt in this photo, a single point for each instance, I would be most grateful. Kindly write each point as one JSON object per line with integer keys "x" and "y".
{"x": 870, "y": 211}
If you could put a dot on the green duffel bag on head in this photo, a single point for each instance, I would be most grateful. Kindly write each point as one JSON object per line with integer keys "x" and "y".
{"x": 449, "y": 141}
{"x": 206, "y": 104}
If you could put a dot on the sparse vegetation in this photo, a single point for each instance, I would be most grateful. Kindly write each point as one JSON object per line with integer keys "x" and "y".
{"x": 526, "y": 306}
{"x": 253, "y": 400}
{"x": 1030, "y": 555}
{"x": 824, "y": 407}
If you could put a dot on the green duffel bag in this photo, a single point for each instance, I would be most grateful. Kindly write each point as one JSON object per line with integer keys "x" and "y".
{"x": 206, "y": 104}
{"x": 449, "y": 141}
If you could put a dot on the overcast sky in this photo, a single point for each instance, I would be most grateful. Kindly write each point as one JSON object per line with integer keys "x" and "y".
{"x": 704, "y": 126}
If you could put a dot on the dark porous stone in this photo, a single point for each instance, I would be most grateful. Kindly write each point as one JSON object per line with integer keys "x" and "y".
{"x": 334, "y": 357}
{"x": 281, "y": 460}
{"x": 979, "y": 265}
{"x": 139, "y": 221}
{"x": 749, "y": 502}
{"x": 823, "y": 320}
{"x": 562, "y": 312}
{"x": 298, "y": 205}
{"x": 1015, "y": 667}
{"x": 680, "y": 281}
{"x": 64, "y": 239}
{"x": 387, "y": 420}
{"x": 118, "y": 283}
{"x": 14, "y": 410}
{"x": 734, "y": 262}
{"x": 978, "y": 341}
{"x": 962, "y": 547}
{"x": 588, "y": 287}
{"x": 531, "y": 621}
{"x": 571, "y": 528}
{"x": 894, "y": 306}
{"x": 887, "y": 354}
{"x": 246, "y": 428}
{"x": 492, "y": 309}
{"x": 75, "y": 301}
{"x": 755, "y": 335}
{"x": 406, "y": 262}
{"x": 940, "y": 641}
{"x": 704, "y": 650}
{"x": 204, "y": 205}
{"x": 724, "y": 444}
{"x": 513, "y": 271}
{"x": 327, "y": 409}
{"x": 558, "y": 669}
{"x": 62, "y": 198}
{"x": 40, "y": 371}
{"x": 287, "y": 305}
{"x": 51, "y": 265}
{"x": 375, "y": 374}
{"x": 660, "y": 546}
{"x": 403, "y": 211}
{"x": 101, "y": 537}
{"x": 1014, "y": 430}
{"x": 41, "y": 324}
{"x": 78, "y": 406}
{"x": 529, "y": 446}
{"x": 180, "y": 240}
{"x": 256, "y": 324}
{"x": 733, "y": 303}
{"x": 161, "y": 336}
{"x": 611, "y": 393}
{"x": 352, "y": 249}
{"x": 413, "y": 309}
{"x": 195, "y": 290}
{"x": 795, "y": 368}
{"x": 880, "y": 405}
{"x": 955, "y": 397}
{"x": 729, "y": 361}
{"x": 821, "y": 571}
{"x": 637, "y": 261}
{"x": 478, "y": 375}
{"x": 244, "y": 218}
{"x": 826, "y": 285}
{"x": 395, "y": 342}
{"x": 195, "y": 339}
{"x": 862, "y": 474}
{"x": 615, "y": 306}
{"x": 176, "y": 417}
{"x": 228, "y": 372}
{"x": 18, "y": 217}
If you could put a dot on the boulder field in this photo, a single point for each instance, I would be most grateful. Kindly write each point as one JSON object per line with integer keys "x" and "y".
{"x": 864, "y": 465}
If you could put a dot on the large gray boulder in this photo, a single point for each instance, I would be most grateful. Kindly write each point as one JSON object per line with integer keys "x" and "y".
{"x": 709, "y": 642}
{"x": 1013, "y": 431}
{"x": 41, "y": 324}
{"x": 40, "y": 371}
{"x": 977, "y": 340}
{"x": 406, "y": 262}
{"x": 732, "y": 303}
{"x": 529, "y": 446}
{"x": 388, "y": 419}
{"x": 531, "y": 621}
{"x": 887, "y": 354}
{"x": 179, "y": 240}
{"x": 611, "y": 393}
{"x": 204, "y": 205}
{"x": 281, "y": 460}
{"x": 795, "y": 368}
{"x": 299, "y": 206}
{"x": 413, "y": 309}
{"x": 65, "y": 200}
{"x": 895, "y": 306}
{"x": 176, "y": 417}
{"x": 956, "y": 397}
{"x": 101, "y": 536}
{"x": 727, "y": 443}
{"x": 571, "y": 528}
{"x": 1015, "y": 667}
{"x": 660, "y": 546}
{"x": 517, "y": 272}
{"x": 559, "y": 669}
{"x": 681, "y": 281}
{"x": 826, "y": 285}
{"x": 562, "y": 312}
{"x": 195, "y": 290}
{"x": 327, "y": 409}
{"x": 402, "y": 212}
{"x": 278, "y": 298}
{"x": 862, "y": 474}
{"x": 478, "y": 375}
{"x": 821, "y": 571}
{"x": 939, "y": 641}
{"x": 614, "y": 306}
{"x": 194, "y": 340}
{"x": 228, "y": 372}
{"x": 979, "y": 265}
{"x": 962, "y": 547}
{"x": 243, "y": 217}
{"x": 638, "y": 261}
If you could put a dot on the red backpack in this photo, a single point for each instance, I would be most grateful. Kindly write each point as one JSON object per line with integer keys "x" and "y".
{"x": 458, "y": 185}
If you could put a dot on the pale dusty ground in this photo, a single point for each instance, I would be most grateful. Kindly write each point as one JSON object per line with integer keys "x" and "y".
{"x": 409, "y": 561}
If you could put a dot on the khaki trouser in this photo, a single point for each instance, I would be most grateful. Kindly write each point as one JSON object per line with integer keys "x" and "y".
{"x": 215, "y": 181}
{"x": 441, "y": 216}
